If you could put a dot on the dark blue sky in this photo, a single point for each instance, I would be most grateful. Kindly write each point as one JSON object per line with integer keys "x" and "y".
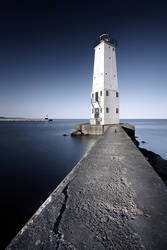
{"x": 46, "y": 56}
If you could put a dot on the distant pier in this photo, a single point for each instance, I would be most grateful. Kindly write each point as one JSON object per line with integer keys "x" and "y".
{"x": 25, "y": 120}
{"x": 112, "y": 199}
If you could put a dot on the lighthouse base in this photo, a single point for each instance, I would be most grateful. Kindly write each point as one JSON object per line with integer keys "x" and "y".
{"x": 89, "y": 129}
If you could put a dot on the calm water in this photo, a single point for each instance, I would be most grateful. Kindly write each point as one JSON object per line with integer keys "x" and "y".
{"x": 35, "y": 157}
{"x": 153, "y": 132}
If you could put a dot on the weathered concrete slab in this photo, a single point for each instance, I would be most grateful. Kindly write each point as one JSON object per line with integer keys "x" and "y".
{"x": 112, "y": 199}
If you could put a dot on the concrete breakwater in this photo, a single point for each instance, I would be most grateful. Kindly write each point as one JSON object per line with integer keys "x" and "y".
{"x": 112, "y": 199}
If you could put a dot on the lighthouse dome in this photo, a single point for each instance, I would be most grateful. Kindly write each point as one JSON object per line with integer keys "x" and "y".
{"x": 105, "y": 37}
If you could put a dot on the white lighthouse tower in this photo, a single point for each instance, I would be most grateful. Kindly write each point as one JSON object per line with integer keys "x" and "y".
{"x": 105, "y": 94}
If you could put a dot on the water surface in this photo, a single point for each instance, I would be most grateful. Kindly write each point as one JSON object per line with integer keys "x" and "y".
{"x": 153, "y": 132}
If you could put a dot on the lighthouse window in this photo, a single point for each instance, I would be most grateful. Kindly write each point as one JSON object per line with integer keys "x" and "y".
{"x": 100, "y": 93}
{"x": 109, "y": 57}
{"x": 92, "y": 96}
{"x": 100, "y": 110}
{"x": 113, "y": 49}
{"x": 96, "y": 96}
{"x": 117, "y": 110}
{"x": 107, "y": 110}
{"x": 107, "y": 94}
{"x": 106, "y": 73}
{"x": 92, "y": 111}
{"x": 117, "y": 94}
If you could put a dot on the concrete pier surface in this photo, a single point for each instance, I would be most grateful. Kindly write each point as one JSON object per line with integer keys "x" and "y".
{"x": 112, "y": 199}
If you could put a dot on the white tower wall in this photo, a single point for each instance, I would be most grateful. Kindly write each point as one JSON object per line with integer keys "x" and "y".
{"x": 105, "y": 108}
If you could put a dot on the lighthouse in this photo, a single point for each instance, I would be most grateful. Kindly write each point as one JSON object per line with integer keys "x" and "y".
{"x": 105, "y": 94}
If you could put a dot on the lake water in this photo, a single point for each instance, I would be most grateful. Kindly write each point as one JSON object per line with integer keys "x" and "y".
{"x": 153, "y": 132}
{"x": 35, "y": 157}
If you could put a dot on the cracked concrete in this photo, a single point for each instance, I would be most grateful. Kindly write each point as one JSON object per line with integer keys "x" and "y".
{"x": 58, "y": 219}
{"x": 112, "y": 199}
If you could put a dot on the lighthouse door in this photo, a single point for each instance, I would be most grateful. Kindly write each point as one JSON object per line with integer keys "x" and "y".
{"x": 97, "y": 113}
